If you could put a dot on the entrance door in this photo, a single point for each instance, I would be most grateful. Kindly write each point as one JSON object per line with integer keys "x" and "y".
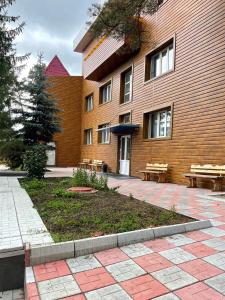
{"x": 51, "y": 155}
{"x": 125, "y": 145}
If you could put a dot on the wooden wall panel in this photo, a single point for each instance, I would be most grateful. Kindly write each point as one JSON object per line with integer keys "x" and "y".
{"x": 68, "y": 92}
{"x": 196, "y": 88}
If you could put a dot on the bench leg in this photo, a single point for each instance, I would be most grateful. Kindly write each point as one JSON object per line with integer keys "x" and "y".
{"x": 162, "y": 178}
{"x": 192, "y": 182}
{"x": 217, "y": 185}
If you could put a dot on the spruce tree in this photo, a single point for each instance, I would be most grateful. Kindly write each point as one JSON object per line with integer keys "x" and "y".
{"x": 122, "y": 19}
{"x": 39, "y": 115}
{"x": 9, "y": 30}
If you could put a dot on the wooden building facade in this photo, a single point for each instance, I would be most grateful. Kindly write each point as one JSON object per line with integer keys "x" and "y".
{"x": 164, "y": 104}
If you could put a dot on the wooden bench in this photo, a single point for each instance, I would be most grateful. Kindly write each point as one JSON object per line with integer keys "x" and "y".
{"x": 84, "y": 164}
{"x": 159, "y": 170}
{"x": 96, "y": 165}
{"x": 214, "y": 173}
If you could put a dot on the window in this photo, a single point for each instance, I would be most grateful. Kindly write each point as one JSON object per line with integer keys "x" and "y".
{"x": 105, "y": 93}
{"x": 160, "y": 2}
{"x": 89, "y": 103}
{"x": 158, "y": 124}
{"x": 125, "y": 119}
{"x": 103, "y": 134}
{"x": 88, "y": 136}
{"x": 160, "y": 62}
{"x": 126, "y": 86}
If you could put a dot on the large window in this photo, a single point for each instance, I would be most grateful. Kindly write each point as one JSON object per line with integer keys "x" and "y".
{"x": 126, "y": 86}
{"x": 88, "y": 136}
{"x": 105, "y": 93}
{"x": 160, "y": 62}
{"x": 103, "y": 134}
{"x": 89, "y": 103}
{"x": 158, "y": 124}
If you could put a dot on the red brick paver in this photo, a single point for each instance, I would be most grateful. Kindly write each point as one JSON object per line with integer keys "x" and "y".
{"x": 76, "y": 297}
{"x": 51, "y": 270}
{"x": 159, "y": 245}
{"x": 199, "y": 250}
{"x": 144, "y": 287}
{"x": 111, "y": 256}
{"x": 200, "y": 269}
{"x": 153, "y": 262}
{"x": 199, "y": 291}
{"x": 93, "y": 279}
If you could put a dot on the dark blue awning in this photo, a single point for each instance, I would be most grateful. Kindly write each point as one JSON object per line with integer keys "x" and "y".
{"x": 121, "y": 129}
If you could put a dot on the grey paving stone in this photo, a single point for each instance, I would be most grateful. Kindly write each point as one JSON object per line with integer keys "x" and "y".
{"x": 58, "y": 288}
{"x": 177, "y": 255}
{"x": 179, "y": 240}
{"x": 12, "y": 295}
{"x": 83, "y": 263}
{"x": 11, "y": 243}
{"x": 169, "y": 296}
{"x": 214, "y": 231}
{"x": 218, "y": 283}
{"x": 29, "y": 275}
{"x": 210, "y": 215}
{"x": 174, "y": 278}
{"x": 216, "y": 223}
{"x": 113, "y": 292}
{"x": 217, "y": 260}
{"x": 125, "y": 270}
{"x": 216, "y": 243}
{"x": 136, "y": 250}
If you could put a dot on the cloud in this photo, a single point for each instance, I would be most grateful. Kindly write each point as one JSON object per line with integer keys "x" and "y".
{"x": 51, "y": 26}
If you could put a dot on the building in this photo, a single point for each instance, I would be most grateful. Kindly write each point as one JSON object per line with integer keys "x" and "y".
{"x": 164, "y": 104}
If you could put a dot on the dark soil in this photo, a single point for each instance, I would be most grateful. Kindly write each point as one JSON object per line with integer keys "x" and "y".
{"x": 71, "y": 216}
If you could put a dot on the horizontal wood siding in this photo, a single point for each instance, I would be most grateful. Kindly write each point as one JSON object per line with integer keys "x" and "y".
{"x": 196, "y": 88}
{"x": 68, "y": 92}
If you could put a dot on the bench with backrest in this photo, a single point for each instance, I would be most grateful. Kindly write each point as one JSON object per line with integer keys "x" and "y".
{"x": 214, "y": 173}
{"x": 96, "y": 165}
{"x": 84, "y": 164}
{"x": 159, "y": 170}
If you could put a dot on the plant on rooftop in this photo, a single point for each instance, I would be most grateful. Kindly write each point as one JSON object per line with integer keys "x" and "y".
{"x": 121, "y": 18}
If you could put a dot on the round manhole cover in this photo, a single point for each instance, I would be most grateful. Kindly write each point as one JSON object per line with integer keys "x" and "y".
{"x": 80, "y": 190}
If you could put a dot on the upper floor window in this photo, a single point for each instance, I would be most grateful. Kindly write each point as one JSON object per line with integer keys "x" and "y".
{"x": 126, "y": 86}
{"x": 103, "y": 134}
{"x": 125, "y": 119}
{"x": 160, "y": 61}
{"x": 88, "y": 136}
{"x": 105, "y": 93}
{"x": 89, "y": 103}
{"x": 158, "y": 124}
{"x": 160, "y": 2}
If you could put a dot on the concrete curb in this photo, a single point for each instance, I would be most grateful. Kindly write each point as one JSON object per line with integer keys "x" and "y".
{"x": 53, "y": 252}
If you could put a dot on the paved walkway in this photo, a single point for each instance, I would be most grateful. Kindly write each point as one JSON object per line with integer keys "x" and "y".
{"x": 19, "y": 221}
{"x": 185, "y": 266}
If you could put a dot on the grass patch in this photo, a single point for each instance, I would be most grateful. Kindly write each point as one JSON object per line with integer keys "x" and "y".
{"x": 70, "y": 216}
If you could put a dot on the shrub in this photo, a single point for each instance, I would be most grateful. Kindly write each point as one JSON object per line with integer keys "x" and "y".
{"x": 35, "y": 160}
{"x": 12, "y": 153}
{"x": 83, "y": 178}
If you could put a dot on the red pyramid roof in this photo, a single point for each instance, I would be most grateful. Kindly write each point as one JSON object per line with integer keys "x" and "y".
{"x": 56, "y": 68}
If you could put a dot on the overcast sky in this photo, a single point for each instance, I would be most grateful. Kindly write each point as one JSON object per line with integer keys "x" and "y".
{"x": 51, "y": 27}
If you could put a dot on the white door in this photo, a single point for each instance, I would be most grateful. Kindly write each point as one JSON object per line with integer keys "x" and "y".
{"x": 51, "y": 155}
{"x": 125, "y": 145}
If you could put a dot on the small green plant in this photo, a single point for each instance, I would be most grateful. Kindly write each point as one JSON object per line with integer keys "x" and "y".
{"x": 35, "y": 160}
{"x": 34, "y": 184}
{"x": 84, "y": 179}
{"x": 59, "y": 192}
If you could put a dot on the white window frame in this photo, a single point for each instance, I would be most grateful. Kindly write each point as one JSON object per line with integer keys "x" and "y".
{"x": 128, "y": 83}
{"x": 159, "y": 53}
{"x": 88, "y": 136}
{"x": 167, "y": 133}
{"x": 108, "y": 93}
{"x": 89, "y": 105}
{"x": 104, "y": 132}
{"x": 122, "y": 116}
